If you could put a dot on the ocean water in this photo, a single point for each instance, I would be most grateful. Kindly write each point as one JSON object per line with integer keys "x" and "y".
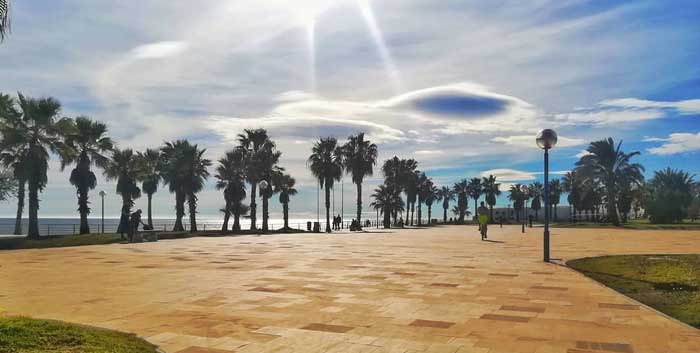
{"x": 64, "y": 226}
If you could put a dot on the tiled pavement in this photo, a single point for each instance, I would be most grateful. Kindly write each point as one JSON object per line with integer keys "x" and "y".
{"x": 436, "y": 290}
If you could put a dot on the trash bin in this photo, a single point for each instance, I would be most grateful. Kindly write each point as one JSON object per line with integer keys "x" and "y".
{"x": 308, "y": 226}
{"x": 317, "y": 227}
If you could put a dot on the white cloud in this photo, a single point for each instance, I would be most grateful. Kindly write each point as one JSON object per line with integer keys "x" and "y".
{"x": 158, "y": 50}
{"x": 685, "y": 107}
{"x": 608, "y": 116}
{"x": 506, "y": 174}
{"x": 529, "y": 141}
{"x": 677, "y": 143}
{"x": 582, "y": 153}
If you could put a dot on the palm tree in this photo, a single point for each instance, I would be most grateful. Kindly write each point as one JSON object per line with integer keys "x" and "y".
{"x": 326, "y": 164}
{"x": 387, "y": 199}
{"x": 492, "y": 190}
{"x": 265, "y": 160}
{"x": 475, "y": 189}
{"x": 13, "y": 157}
{"x": 607, "y": 165}
{"x": 431, "y": 194}
{"x": 461, "y": 189}
{"x": 570, "y": 185}
{"x": 4, "y": 18}
{"x": 32, "y": 138}
{"x": 284, "y": 185}
{"x": 422, "y": 184}
{"x": 445, "y": 195}
{"x": 185, "y": 170}
{"x": 554, "y": 196}
{"x": 89, "y": 142}
{"x": 230, "y": 175}
{"x": 671, "y": 194}
{"x": 126, "y": 168}
{"x": 516, "y": 195}
{"x": 359, "y": 156}
{"x": 536, "y": 190}
{"x": 152, "y": 163}
{"x": 251, "y": 142}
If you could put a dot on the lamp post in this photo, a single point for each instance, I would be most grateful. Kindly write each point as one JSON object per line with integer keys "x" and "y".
{"x": 523, "y": 189}
{"x": 263, "y": 185}
{"x": 102, "y": 195}
{"x": 546, "y": 140}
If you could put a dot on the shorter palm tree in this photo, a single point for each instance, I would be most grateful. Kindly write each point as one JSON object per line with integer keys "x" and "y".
{"x": 445, "y": 195}
{"x": 492, "y": 190}
{"x": 230, "y": 176}
{"x": 518, "y": 198}
{"x": 284, "y": 185}
{"x": 127, "y": 170}
{"x": 387, "y": 199}
{"x": 152, "y": 164}
{"x": 475, "y": 189}
{"x": 431, "y": 195}
{"x": 536, "y": 191}
{"x": 462, "y": 189}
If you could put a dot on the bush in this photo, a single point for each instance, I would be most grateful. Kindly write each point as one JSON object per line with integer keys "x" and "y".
{"x": 667, "y": 206}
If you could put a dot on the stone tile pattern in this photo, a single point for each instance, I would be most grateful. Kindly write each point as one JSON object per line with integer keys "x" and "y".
{"x": 436, "y": 290}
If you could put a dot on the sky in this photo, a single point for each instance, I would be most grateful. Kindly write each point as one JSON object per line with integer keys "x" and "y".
{"x": 461, "y": 86}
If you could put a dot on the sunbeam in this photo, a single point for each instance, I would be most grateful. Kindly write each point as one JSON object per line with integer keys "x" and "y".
{"x": 378, "y": 38}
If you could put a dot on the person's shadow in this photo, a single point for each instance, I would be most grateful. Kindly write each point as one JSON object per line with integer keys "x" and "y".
{"x": 495, "y": 241}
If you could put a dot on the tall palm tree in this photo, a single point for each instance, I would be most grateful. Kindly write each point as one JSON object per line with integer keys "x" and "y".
{"x": 492, "y": 190}
{"x": 266, "y": 160}
{"x": 554, "y": 197}
{"x": 515, "y": 194}
{"x": 152, "y": 163}
{"x": 4, "y": 18}
{"x": 422, "y": 184}
{"x": 475, "y": 189}
{"x": 230, "y": 176}
{"x": 431, "y": 194}
{"x": 185, "y": 170}
{"x": 89, "y": 142}
{"x": 251, "y": 142}
{"x": 13, "y": 157}
{"x": 445, "y": 195}
{"x": 461, "y": 189}
{"x": 126, "y": 168}
{"x": 387, "y": 199}
{"x": 32, "y": 138}
{"x": 359, "y": 159}
{"x": 536, "y": 191}
{"x": 606, "y": 164}
{"x": 284, "y": 185}
{"x": 326, "y": 164}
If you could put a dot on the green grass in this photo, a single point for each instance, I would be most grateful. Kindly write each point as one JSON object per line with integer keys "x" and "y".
{"x": 25, "y": 335}
{"x": 61, "y": 241}
{"x": 668, "y": 283}
{"x": 638, "y": 224}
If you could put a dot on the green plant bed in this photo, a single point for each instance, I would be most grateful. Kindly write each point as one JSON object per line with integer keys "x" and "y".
{"x": 638, "y": 225}
{"x": 25, "y": 335}
{"x": 668, "y": 283}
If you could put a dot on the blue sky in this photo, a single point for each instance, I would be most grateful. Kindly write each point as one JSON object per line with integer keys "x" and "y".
{"x": 461, "y": 86}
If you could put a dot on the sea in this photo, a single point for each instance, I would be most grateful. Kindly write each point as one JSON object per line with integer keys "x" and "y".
{"x": 66, "y": 226}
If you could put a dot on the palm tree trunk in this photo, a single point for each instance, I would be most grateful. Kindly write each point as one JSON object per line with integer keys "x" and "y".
{"x": 430, "y": 210}
{"x": 413, "y": 210}
{"x": 418, "y": 219}
{"x": 33, "y": 231}
{"x": 476, "y": 207}
{"x": 253, "y": 206}
{"x": 192, "y": 203}
{"x": 227, "y": 215}
{"x": 285, "y": 214}
{"x": 387, "y": 218}
{"x": 124, "y": 218}
{"x": 265, "y": 215}
{"x": 179, "y": 211}
{"x": 328, "y": 208}
{"x": 444, "y": 214}
{"x": 490, "y": 213}
{"x": 84, "y": 209}
{"x": 236, "y": 219}
{"x": 359, "y": 205}
{"x": 150, "y": 211}
{"x": 20, "y": 206}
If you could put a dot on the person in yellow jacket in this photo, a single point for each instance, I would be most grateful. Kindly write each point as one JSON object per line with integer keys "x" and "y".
{"x": 483, "y": 213}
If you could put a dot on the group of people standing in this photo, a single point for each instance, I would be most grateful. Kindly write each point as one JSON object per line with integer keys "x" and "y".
{"x": 337, "y": 222}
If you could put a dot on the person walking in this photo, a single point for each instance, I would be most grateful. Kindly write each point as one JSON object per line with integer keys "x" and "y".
{"x": 134, "y": 222}
{"x": 483, "y": 215}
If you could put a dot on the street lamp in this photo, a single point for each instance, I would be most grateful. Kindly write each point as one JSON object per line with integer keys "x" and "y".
{"x": 523, "y": 189}
{"x": 546, "y": 140}
{"x": 102, "y": 195}
{"x": 263, "y": 185}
